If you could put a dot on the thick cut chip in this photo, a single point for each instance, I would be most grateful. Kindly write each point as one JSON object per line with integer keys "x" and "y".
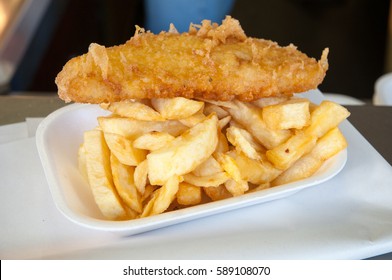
{"x": 254, "y": 171}
{"x": 236, "y": 188}
{"x": 177, "y": 107}
{"x": 123, "y": 149}
{"x": 260, "y": 187}
{"x": 290, "y": 114}
{"x": 194, "y": 119}
{"x": 212, "y": 108}
{"x": 217, "y": 193}
{"x": 134, "y": 110}
{"x": 166, "y": 194}
{"x": 188, "y": 194}
{"x": 124, "y": 183}
{"x": 284, "y": 155}
{"x": 224, "y": 104}
{"x": 208, "y": 167}
{"x": 223, "y": 144}
{"x": 183, "y": 154}
{"x": 325, "y": 117}
{"x": 140, "y": 176}
{"x": 162, "y": 197}
{"x": 243, "y": 141}
{"x": 326, "y": 147}
{"x": 147, "y": 210}
{"x": 132, "y": 129}
{"x": 100, "y": 176}
{"x": 213, "y": 180}
{"x": 229, "y": 166}
{"x": 148, "y": 191}
{"x": 82, "y": 161}
{"x": 267, "y": 101}
{"x": 223, "y": 122}
{"x": 250, "y": 117}
{"x": 236, "y": 185}
{"x": 153, "y": 140}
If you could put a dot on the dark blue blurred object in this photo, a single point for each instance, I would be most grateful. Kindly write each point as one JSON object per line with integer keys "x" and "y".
{"x": 159, "y": 14}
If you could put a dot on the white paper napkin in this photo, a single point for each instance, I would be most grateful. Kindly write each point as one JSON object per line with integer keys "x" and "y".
{"x": 32, "y": 125}
{"x": 12, "y": 132}
{"x": 30, "y": 224}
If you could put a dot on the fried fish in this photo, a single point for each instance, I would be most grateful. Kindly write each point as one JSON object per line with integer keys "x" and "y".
{"x": 211, "y": 61}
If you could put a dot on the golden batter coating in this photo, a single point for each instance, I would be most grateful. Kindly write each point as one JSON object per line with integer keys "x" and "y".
{"x": 211, "y": 61}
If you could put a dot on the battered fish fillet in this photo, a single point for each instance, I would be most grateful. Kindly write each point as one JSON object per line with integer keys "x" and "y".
{"x": 211, "y": 61}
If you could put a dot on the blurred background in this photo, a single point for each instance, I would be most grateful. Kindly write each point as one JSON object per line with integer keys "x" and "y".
{"x": 37, "y": 37}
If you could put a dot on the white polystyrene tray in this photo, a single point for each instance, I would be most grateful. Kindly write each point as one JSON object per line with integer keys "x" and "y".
{"x": 58, "y": 138}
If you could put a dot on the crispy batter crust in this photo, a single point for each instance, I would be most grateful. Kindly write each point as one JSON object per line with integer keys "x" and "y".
{"x": 217, "y": 62}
